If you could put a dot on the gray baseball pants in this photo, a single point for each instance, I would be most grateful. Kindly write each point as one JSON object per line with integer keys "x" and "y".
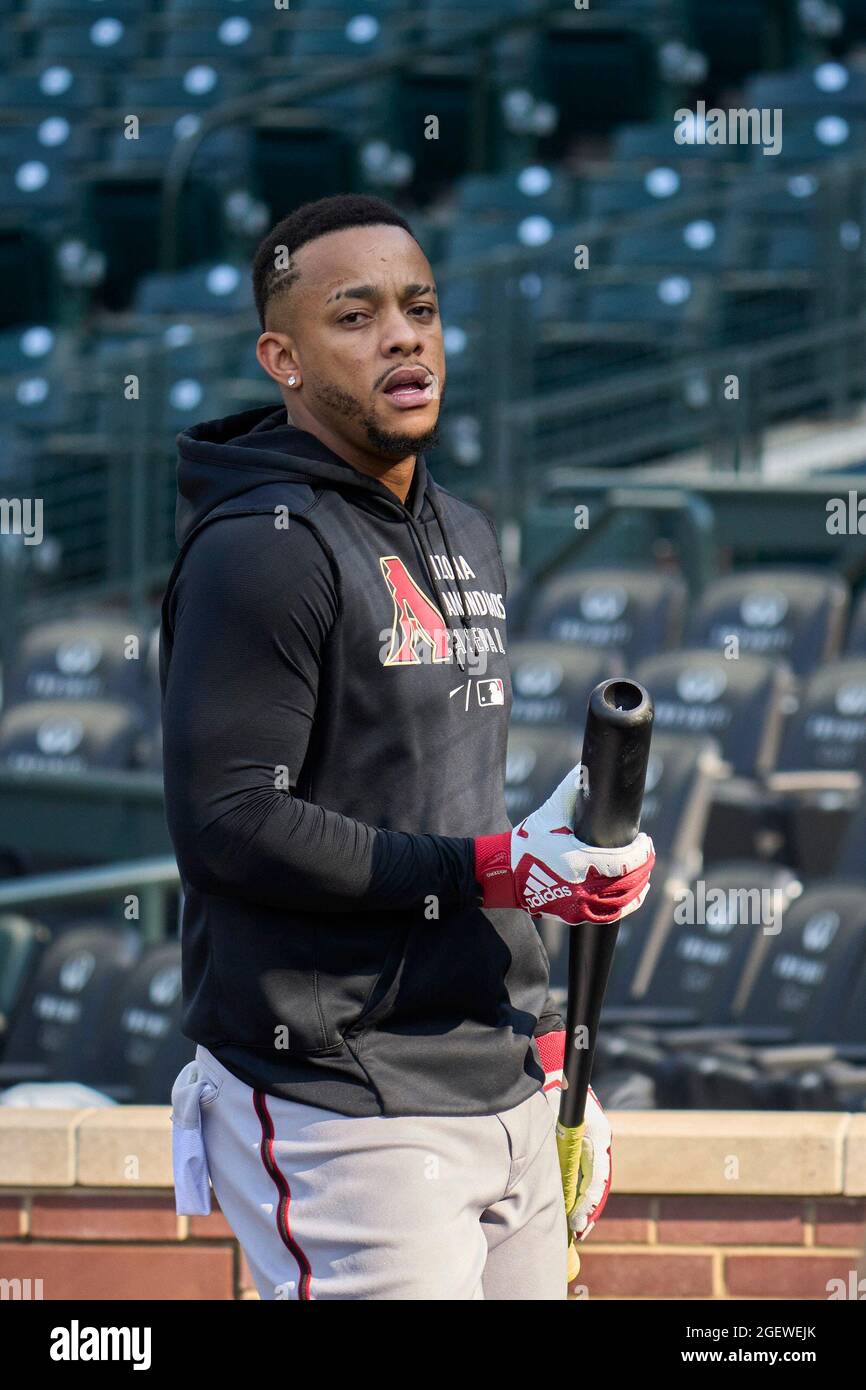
{"x": 333, "y": 1206}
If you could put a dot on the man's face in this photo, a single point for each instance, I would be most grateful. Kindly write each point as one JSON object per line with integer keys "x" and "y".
{"x": 361, "y": 316}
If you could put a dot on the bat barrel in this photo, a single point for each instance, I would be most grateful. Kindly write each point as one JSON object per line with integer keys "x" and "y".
{"x": 614, "y": 759}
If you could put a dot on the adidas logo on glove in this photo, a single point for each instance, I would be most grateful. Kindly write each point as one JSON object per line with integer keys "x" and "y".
{"x": 539, "y": 891}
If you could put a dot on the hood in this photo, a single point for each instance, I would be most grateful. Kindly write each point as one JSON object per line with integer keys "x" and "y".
{"x": 222, "y": 459}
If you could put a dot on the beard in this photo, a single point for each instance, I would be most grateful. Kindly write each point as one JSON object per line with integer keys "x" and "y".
{"x": 394, "y": 444}
{"x": 390, "y": 444}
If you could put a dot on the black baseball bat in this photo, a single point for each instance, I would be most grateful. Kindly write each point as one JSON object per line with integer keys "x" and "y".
{"x": 614, "y": 758}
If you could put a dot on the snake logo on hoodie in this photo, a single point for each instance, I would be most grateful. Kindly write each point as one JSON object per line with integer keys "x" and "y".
{"x": 416, "y": 619}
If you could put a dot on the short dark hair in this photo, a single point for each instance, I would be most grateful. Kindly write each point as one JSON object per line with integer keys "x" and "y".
{"x": 307, "y": 222}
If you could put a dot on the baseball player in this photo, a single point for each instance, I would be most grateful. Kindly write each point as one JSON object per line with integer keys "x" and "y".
{"x": 378, "y": 1058}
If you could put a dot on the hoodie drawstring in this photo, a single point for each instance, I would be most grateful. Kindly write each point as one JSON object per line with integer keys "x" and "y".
{"x": 420, "y": 542}
{"x": 437, "y": 511}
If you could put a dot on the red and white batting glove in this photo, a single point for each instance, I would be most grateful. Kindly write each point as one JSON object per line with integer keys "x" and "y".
{"x": 542, "y": 866}
{"x": 595, "y": 1153}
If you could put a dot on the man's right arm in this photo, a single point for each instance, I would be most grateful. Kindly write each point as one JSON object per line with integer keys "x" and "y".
{"x": 252, "y": 610}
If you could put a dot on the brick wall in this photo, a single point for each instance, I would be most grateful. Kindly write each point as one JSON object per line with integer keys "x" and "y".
{"x": 705, "y": 1205}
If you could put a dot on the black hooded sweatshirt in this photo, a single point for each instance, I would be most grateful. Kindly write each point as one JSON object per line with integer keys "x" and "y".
{"x": 335, "y": 702}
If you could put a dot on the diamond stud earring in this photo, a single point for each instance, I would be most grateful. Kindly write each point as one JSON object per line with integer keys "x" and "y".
{"x": 291, "y": 380}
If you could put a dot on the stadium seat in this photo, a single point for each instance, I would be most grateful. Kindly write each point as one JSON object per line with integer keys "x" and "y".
{"x": 473, "y": 239}
{"x": 789, "y": 991}
{"x": 617, "y": 195}
{"x": 35, "y": 186}
{"x": 59, "y": 1030}
{"x": 535, "y": 188}
{"x": 69, "y": 736}
{"x": 189, "y": 399}
{"x": 697, "y": 965}
{"x": 224, "y": 152}
{"x": 214, "y": 288}
{"x": 189, "y": 88}
{"x": 828, "y": 730}
{"x": 633, "y": 612}
{"x": 829, "y": 86}
{"x": 808, "y": 966}
{"x": 22, "y": 943}
{"x": 179, "y": 348}
{"x": 816, "y": 1075}
{"x": 41, "y": 401}
{"x": 695, "y": 244}
{"x": 785, "y": 202}
{"x": 781, "y": 228}
{"x": 53, "y": 139}
{"x": 552, "y": 681}
{"x": 805, "y": 973}
{"x": 796, "y": 614}
{"x": 30, "y": 345}
{"x": 621, "y": 322}
{"x": 812, "y": 140}
{"x": 357, "y": 35}
{"x": 822, "y": 762}
{"x": 742, "y": 702}
{"x": 653, "y": 144}
{"x": 145, "y": 1048}
{"x": 83, "y": 658}
{"x": 53, "y": 87}
{"x": 470, "y": 290}
{"x": 230, "y": 40}
{"x": 94, "y": 43}
{"x": 682, "y": 774}
{"x": 536, "y": 762}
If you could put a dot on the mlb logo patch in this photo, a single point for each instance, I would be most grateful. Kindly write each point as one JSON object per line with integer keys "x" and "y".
{"x": 491, "y": 693}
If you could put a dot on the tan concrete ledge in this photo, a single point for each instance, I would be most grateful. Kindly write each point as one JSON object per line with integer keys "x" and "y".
{"x": 734, "y": 1152}
{"x": 655, "y": 1152}
{"x": 127, "y": 1145}
{"x": 855, "y": 1157}
{"x": 37, "y": 1147}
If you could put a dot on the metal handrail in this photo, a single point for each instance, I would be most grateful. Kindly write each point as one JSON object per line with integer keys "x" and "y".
{"x": 97, "y": 784}
{"x": 610, "y": 392}
{"x": 151, "y": 877}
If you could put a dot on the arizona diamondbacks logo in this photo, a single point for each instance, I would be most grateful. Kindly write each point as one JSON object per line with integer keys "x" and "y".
{"x": 416, "y": 619}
